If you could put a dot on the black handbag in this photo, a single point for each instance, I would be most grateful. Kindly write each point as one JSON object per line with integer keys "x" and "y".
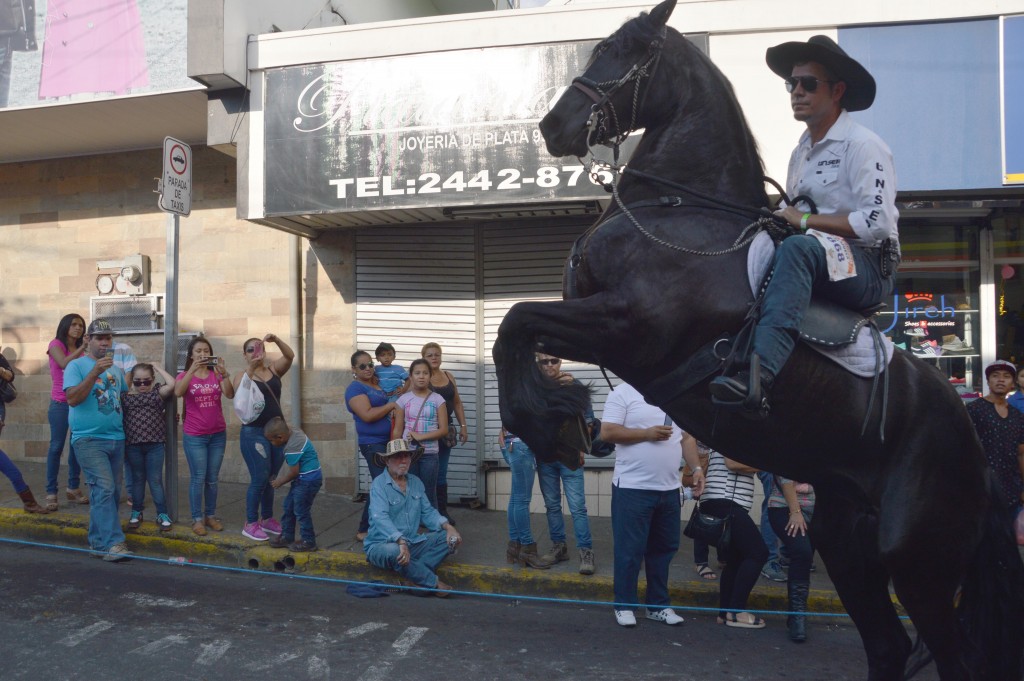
{"x": 709, "y": 529}
{"x": 8, "y": 393}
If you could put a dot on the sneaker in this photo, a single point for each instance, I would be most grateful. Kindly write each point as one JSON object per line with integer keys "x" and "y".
{"x": 254, "y": 531}
{"x": 117, "y": 553}
{"x": 135, "y": 520}
{"x": 280, "y": 542}
{"x": 956, "y": 345}
{"x": 302, "y": 546}
{"x": 773, "y": 571}
{"x": 668, "y": 616}
{"x": 625, "y": 618}
{"x": 917, "y": 332}
{"x": 213, "y": 523}
{"x": 270, "y": 526}
{"x": 163, "y": 522}
{"x": 586, "y": 561}
{"x": 559, "y": 552}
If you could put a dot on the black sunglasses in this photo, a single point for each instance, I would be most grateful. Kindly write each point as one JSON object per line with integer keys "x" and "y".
{"x": 549, "y": 362}
{"x": 808, "y": 83}
{"x": 145, "y": 381}
{"x": 361, "y": 367}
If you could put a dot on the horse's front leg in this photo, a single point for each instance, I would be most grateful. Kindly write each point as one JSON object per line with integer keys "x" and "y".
{"x": 533, "y": 406}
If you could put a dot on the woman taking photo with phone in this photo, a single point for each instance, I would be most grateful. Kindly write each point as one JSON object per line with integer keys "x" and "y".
{"x": 202, "y": 384}
{"x": 65, "y": 346}
{"x": 262, "y": 459}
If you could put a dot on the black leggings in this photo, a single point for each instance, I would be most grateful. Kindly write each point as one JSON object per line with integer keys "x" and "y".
{"x": 799, "y": 547}
{"x": 744, "y": 559}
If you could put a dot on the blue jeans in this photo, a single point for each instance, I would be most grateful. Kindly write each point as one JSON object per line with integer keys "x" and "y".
{"x": 425, "y": 556}
{"x": 8, "y": 468}
{"x": 444, "y": 454}
{"x": 103, "y": 464}
{"x": 800, "y": 268}
{"x": 370, "y": 453}
{"x": 572, "y": 482}
{"x": 298, "y": 506}
{"x": 425, "y": 469}
{"x": 57, "y": 415}
{"x": 645, "y": 528}
{"x": 771, "y": 540}
{"x": 523, "y": 466}
{"x": 147, "y": 464}
{"x": 263, "y": 461}
{"x": 204, "y": 454}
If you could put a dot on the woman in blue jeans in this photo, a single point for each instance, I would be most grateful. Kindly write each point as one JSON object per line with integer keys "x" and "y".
{"x": 371, "y": 411}
{"x": 262, "y": 458}
{"x": 201, "y": 385}
{"x": 66, "y": 345}
{"x": 522, "y": 548}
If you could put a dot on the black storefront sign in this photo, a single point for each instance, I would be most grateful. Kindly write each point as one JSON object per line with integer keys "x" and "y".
{"x": 439, "y": 129}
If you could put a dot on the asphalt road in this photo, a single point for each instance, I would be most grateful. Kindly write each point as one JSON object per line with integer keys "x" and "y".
{"x": 67, "y": 615}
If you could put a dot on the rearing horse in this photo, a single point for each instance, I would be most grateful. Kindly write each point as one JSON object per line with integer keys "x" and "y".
{"x": 652, "y": 283}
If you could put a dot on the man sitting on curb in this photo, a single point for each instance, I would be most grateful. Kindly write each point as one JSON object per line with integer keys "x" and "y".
{"x": 398, "y": 506}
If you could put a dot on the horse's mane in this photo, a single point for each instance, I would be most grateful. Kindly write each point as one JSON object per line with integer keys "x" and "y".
{"x": 639, "y": 32}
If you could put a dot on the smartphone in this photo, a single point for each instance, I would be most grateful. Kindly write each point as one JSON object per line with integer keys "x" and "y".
{"x": 109, "y": 354}
{"x": 258, "y": 350}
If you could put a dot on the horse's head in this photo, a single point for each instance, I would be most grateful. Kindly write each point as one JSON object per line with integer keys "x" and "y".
{"x": 606, "y": 103}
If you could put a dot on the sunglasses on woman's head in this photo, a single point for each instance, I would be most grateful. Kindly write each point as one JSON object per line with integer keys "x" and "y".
{"x": 142, "y": 382}
{"x": 363, "y": 367}
{"x": 549, "y": 362}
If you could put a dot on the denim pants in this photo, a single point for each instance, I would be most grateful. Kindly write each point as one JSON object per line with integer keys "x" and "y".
{"x": 204, "y": 454}
{"x": 572, "y": 482}
{"x": 57, "y": 415}
{"x": 523, "y": 466}
{"x": 744, "y": 559}
{"x": 799, "y": 547}
{"x": 444, "y": 455}
{"x": 800, "y": 268}
{"x": 425, "y": 469}
{"x": 370, "y": 453}
{"x": 263, "y": 461}
{"x": 147, "y": 465}
{"x": 771, "y": 541}
{"x": 103, "y": 465}
{"x": 8, "y": 468}
{"x": 645, "y": 528}
{"x": 424, "y": 557}
{"x": 298, "y": 506}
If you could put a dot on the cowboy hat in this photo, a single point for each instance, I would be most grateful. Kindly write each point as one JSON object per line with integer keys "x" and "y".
{"x": 860, "y": 86}
{"x": 399, "y": 446}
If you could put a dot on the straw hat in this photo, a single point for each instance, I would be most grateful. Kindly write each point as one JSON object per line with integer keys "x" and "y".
{"x": 399, "y": 446}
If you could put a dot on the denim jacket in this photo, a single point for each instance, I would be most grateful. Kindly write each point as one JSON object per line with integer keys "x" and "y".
{"x": 395, "y": 514}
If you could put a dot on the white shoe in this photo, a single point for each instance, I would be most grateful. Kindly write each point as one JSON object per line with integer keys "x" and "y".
{"x": 117, "y": 553}
{"x": 625, "y": 618}
{"x": 668, "y": 616}
{"x": 916, "y": 331}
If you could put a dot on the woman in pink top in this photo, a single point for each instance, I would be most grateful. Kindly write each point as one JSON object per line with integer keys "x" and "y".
{"x": 202, "y": 384}
{"x": 65, "y": 346}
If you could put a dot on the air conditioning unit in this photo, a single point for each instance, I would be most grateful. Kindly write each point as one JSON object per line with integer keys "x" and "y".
{"x": 128, "y": 314}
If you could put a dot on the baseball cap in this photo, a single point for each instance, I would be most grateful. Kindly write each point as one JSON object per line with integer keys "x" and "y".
{"x": 1000, "y": 364}
{"x": 100, "y": 327}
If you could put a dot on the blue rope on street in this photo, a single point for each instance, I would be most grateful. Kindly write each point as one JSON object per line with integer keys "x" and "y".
{"x": 399, "y": 587}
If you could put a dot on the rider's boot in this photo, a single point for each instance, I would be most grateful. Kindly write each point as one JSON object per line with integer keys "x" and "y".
{"x": 747, "y": 389}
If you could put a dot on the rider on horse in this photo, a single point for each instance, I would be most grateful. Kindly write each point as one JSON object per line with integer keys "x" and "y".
{"x": 848, "y": 251}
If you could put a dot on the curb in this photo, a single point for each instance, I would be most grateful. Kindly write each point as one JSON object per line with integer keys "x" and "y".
{"x": 227, "y": 550}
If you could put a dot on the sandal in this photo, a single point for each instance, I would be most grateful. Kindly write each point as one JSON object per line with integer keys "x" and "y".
{"x": 735, "y": 619}
{"x": 76, "y": 496}
{"x": 705, "y": 572}
{"x": 51, "y": 502}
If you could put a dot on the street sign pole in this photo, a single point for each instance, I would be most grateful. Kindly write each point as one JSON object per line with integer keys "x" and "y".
{"x": 175, "y": 190}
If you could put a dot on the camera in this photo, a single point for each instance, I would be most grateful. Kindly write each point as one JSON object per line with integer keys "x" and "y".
{"x": 211, "y": 362}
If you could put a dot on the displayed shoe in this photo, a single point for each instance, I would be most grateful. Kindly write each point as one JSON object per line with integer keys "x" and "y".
{"x": 927, "y": 349}
{"x": 302, "y": 546}
{"x": 586, "y": 561}
{"x": 668, "y": 616}
{"x": 625, "y": 618}
{"x": 917, "y": 332}
{"x": 270, "y": 526}
{"x": 135, "y": 520}
{"x": 255, "y": 532}
{"x": 76, "y": 496}
{"x": 280, "y": 542}
{"x": 773, "y": 571}
{"x": 117, "y": 553}
{"x": 956, "y": 345}
{"x": 213, "y": 523}
{"x": 163, "y": 522}
{"x": 199, "y": 528}
{"x": 559, "y": 552}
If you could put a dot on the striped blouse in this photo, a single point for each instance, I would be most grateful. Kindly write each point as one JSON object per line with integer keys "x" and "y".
{"x": 721, "y": 483}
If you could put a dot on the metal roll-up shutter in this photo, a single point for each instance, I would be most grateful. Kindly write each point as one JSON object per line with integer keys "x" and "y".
{"x": 415, "y": 285}
{"x": 520, "y": 264}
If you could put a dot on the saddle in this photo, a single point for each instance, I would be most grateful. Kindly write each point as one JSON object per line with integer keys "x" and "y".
{"x": 830, "y": 325}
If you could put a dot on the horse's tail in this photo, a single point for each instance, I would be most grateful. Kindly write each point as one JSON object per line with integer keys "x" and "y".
{"x": 991, "y": 605}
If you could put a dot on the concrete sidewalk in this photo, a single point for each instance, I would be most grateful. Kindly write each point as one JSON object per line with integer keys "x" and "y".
{"x": 479, "y": 566}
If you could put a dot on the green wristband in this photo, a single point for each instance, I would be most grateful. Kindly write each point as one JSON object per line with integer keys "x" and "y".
{"x": 803, "y": 221}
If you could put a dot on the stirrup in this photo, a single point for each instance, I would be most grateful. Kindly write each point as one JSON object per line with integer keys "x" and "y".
{"x": 730, "y": 392}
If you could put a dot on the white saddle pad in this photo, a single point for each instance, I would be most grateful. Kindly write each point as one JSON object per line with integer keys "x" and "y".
{"x": 859, "y": 356}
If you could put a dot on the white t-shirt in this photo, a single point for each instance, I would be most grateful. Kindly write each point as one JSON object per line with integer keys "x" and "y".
{"x": 645, "y": 465}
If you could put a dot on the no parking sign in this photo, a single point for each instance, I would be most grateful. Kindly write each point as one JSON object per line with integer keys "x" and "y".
{"x": 176, "y": 180}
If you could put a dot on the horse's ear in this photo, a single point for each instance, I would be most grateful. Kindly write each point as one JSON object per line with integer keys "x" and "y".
{"x": 661, "y": 13}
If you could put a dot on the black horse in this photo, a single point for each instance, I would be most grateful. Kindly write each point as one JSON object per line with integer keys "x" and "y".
{"x": 650, "y": 284}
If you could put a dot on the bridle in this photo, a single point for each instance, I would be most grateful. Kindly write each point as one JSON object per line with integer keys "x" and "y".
{"x": 603, "y": 109}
